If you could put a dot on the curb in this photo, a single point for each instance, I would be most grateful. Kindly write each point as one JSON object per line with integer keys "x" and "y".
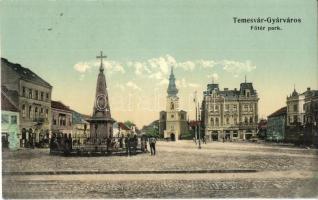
{"x": 133, "y": 172}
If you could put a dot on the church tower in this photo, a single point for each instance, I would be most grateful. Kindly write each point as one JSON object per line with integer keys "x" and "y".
{"x": 175, "y": 119}
{"x": 101, "y": 123}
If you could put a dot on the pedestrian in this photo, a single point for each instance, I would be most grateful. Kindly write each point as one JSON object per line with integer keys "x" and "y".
{"x": 152, "y": 143}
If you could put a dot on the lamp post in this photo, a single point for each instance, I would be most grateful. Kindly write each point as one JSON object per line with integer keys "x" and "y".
{"x": 199, "y": 117}
{"x": 197, "y": 110}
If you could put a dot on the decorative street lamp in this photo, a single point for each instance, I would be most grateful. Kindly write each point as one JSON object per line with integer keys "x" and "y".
{"x": 197, "y": 115}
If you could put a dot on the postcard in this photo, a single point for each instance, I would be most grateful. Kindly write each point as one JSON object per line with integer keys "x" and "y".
{"x": 159, "y": 99}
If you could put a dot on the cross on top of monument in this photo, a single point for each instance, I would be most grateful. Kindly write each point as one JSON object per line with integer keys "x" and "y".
{"x": 101, "y": 60}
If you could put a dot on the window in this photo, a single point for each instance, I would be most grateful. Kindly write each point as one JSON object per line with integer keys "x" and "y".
{"x": 217, "y": 108}
{"x": 47, "y": 96}
{"x": 251, "y": 119}
{"x": 30, "y": 93}
{"x": 172, "y": 116}
{"x": 36, "y": 94}
{"x": 295, "y": 108}
{"x": 245, "y": 120}
{"x": 217, "y": 121}
{"x": 4, "y": 119}
{"x": 36, "y": 112}
{"x": 245, "y": 107}
{"x": 182, "y": 116}
{"x": 46, "y": 113}
{"x": 234, "y": 107}
{"x": 30, "y": 112}
{"x": 247, "y": 93}
{"x": 42, "y": 95}
{"x": 251, "y": 107}
{"x": 235, "y": 134}
{"x": 41, "y": 112}
{"x": 23, "y": 110}
{"x": 227, "y": 107}
{"x": 227, "y": 120}
{"x": 162, "y": 117}
{"x": 212, "y": 121}
{"x": 62, "y": 119}
{"x": 54, "y": 121}
{"x": 171, "y": 106}
{"x": 295, "y": 119}
{"x": 23, "y": 92}
{"x": 13, "y": 119}
{"x": 235, "y": 120}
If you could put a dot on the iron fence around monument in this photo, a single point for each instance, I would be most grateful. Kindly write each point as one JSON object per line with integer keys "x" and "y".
{"x": 82, "y": 146}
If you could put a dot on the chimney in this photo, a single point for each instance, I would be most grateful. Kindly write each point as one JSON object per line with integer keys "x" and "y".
{"x": 235, "y": 89}
{"x": 226, "y": 89}
{"x": 308, "y": 89}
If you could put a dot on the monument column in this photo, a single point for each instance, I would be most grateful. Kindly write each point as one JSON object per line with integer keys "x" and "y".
{"x": 101, "y": 122}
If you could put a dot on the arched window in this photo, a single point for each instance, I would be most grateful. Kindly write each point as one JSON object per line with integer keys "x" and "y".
{"x": 30, "y": 112}
{"x": 23, "y": 110}
{"x": 172, "y": 106}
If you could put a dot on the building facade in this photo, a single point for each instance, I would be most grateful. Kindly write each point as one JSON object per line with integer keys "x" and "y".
{"x": 80, "y": 127}
{"x": 311, "y": 117}
{"x": 32, "y": 95}
{"x": 230, "y": 114}
{"x": 276, "y": 125}
{"x": 10, "y": 132}
{"x": 173, "y": 121}
{"x": 61, "y": 118}
{"x": 295, "y": 108}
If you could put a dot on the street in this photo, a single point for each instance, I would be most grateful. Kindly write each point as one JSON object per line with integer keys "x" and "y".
{"x": 281, "y": 171}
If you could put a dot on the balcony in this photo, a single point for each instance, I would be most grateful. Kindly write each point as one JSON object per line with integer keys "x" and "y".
{"x": 40, "y": 120}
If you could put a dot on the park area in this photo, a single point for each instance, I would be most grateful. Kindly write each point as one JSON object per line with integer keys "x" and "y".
{"x": 178, "y": 170}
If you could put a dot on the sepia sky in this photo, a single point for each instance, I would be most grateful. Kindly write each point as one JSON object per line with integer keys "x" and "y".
{"x": 59, "y": 40}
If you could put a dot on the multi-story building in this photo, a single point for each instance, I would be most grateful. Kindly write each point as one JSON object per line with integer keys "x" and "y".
{"x": 230, "y": 114}
{"x": 32, "y": 95}
{"x": 61, "y": 118}
{"x": 311, "y": 117}
{"x": 10, "y": 132}
{"x": 173, "y": 122}
{"x": 295, "y": 108}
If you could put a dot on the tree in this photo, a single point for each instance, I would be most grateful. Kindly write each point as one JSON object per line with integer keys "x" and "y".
{"x": 152, "y": 132}
{"x": 129, "y": 124}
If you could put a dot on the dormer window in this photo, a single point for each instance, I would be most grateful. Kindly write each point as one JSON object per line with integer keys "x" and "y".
{"x": 247, "y": 93}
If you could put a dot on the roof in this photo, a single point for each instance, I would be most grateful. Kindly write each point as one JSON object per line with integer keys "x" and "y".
{"x": 122, "y": 126}
{"x": 25, "y": 73}
{"x": 280, "y": 112}
{"x": 194, "y": 123}
{"x": 59, "y": 105}
{"x": 7, "y": 104}
{"x": 78, "y": 118}
{"x": 13, "y": 95}
{"x": 230, "y": 93}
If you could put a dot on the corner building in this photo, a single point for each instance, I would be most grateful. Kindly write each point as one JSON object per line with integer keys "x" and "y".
{"x": 230, "y": 114}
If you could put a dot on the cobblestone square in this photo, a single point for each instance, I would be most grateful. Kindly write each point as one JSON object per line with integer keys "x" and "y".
{"x": 281, "y": 171}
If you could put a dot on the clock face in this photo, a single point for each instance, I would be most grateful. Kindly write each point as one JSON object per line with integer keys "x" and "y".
{"x": 101, "y": 102}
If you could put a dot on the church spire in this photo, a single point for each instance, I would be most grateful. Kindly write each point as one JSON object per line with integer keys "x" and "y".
{"x": 172, "y": 89}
